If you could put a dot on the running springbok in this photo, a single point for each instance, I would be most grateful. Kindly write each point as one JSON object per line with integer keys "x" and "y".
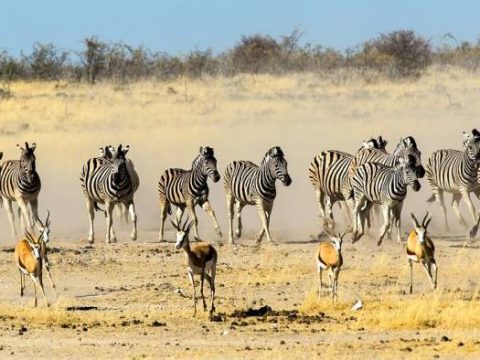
{"x": 329, "y": 257}
{"x": 420, "y": 249}
{"x": 201, "y": 260}
{"x": 29, "y": 260}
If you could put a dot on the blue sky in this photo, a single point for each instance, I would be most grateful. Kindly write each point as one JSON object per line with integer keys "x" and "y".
{"x": 181, "y": 25}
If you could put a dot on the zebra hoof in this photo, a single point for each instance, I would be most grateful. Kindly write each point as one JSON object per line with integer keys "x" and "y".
{"x": 90, "y": 240}
{"x": 238, "y": 233}
{"x": 133, "y": 237}
{"x": 379, "y": 242}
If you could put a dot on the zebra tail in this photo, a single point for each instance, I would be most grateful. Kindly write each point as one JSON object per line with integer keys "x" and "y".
{"x": 431, "y": 198}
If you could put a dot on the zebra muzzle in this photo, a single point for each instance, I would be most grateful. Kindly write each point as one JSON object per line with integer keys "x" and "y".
{"x": 416, "y": 185}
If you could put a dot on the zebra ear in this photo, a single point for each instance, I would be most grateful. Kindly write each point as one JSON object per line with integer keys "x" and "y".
{"x": 20, "y": 148}
{"x": 1, "y": 155}
{"x": 201, "y": 150}
{"x": 125, "y": 151}
{"x": 33, "y": 147}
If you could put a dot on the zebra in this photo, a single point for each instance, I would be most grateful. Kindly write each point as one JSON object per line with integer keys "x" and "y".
{"x": 20, "y": 183}
{"x": 108, "y": 181}
{"x": 327, "y": 173}
{"x": 187, "y": 188}
{"x": 375, "y": 183}
{"x": 106, "y": 155}
{"x": 246, "y": 183}
{"x": 455, "y": 172}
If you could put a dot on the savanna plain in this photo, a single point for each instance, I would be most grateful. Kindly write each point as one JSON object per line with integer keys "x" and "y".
{"x": 133, "y": 299}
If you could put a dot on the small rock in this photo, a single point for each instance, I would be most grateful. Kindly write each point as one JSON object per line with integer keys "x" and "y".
{"x": 445, "y": 338}
{"x": 282, "y": 342}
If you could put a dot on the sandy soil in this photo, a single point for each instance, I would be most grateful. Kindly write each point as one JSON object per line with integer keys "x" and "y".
{"x": 133, "y": 300}
{"x": 136, "y": 310}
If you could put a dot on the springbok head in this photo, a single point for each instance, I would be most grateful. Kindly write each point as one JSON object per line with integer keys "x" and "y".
{"x": 421, "y": 228}
{"x": 182, "y": 231}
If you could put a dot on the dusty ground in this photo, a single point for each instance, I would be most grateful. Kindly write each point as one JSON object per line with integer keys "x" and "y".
{"x": 132, "y": 308}
{"x": 131, "y": 287}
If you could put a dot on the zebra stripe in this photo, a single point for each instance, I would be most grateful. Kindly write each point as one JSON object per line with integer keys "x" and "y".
{"x": 188, "y": 188}
{"x": 375, "y": 183}
{"x": 246, "y": 183}
{"x": 328, "y": 173}
{"x": 455, "y": 172}
{"x": 20, "y": 183}
{"x": 107, "y": 180}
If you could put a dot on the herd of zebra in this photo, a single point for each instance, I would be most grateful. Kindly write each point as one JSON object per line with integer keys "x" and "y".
{"x": 371, "y": 177}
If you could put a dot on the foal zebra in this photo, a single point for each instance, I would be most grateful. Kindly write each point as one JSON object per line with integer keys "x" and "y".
{"x": 20, "y": 183}
{"x": 455, "y": 172}
{"x": 374, "y": 183}
{"x": 328, "y": 172}
{"x": 109, "y": 182}
{"x": 246, "y": 183}
{"x": 188, "y": 188}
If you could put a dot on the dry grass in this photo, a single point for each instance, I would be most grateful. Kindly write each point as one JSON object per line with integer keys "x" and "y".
{"x": 133, "y": 286}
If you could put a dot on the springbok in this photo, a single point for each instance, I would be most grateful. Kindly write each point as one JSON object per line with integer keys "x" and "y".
{"x": 420, "y": 249}
{"x": 201, "y": 260}
{"x": 329, "y": 257}
{"x": 29, "y": 260}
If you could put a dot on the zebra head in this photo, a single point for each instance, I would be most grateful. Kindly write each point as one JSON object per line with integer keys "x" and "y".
{"x": 410, "y": 172}
{"x": 208, "y": 163}
{"x": 471, "y": 143}
{"x": 408, "y": 147}
{"x": 278, "y": 165}
{"x": 375, "y": 143}
{"x": 27, "y": 160}
{"x": 119, "y": 162}
{"x": 106, "y": 152}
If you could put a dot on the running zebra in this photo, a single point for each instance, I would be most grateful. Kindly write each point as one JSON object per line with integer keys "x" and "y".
{"x": 375, "y": 183}
{"x": 108, "y": 181}
{"x": 20, "y": 183}
{"x": 187, "y": 188}
{"x": 106, "y": 155}
{"x": 328, "y": 172}
{"x": 455, "y": 172}
{"x": 246, "y": 183}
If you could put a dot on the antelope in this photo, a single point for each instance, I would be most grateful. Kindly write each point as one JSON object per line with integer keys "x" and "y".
{"x": 29, "y": 260}
{"x": 201, "y": 260}
{"x": 329, "y": 257}
{"x": 420, "y": 249}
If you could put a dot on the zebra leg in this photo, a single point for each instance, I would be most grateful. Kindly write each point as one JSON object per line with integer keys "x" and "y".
{"x": 386, "y": 224}
{"x": 328, "y": 221}
{"x": 133, "y": 217}
{"x": 193, "y": 215}
{"x": 208, "y": 209}
{"x": 456, "y": 197}
{"x": 108, "y": 217}
{"x": 321, "y": 205}
{"x": 34, "y": 211}
{"x": 238, "y": 210}
{"x": 471, "y": 208}
{"x": 439, "y": 199}
{"x": 397, "y": 218}
{"x": 357, "y": 219}
{"x": 265, "y": 220}
{"x": 230, "y": 206}
{"x": 8, "y": 209}
{"x": 26, "y": 214}
{"x": 163, "y": 216}
{"x": 91, "y": 216}
{"x": 347, "y": 214}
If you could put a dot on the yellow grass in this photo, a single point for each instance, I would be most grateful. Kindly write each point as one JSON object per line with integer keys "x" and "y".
{"x": 165, "y": 123}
